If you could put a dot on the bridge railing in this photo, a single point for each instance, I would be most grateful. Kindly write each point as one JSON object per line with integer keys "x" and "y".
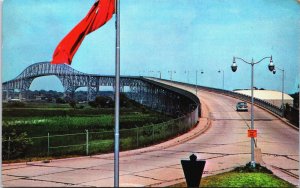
{"x": 259, "y": 102}
{"x": 194, "y": 100}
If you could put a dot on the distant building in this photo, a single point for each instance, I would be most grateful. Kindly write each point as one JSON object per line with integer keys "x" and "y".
{"x": 14, "y": 100}
{"x": 273, "y": 97}
{"x": 40, "y": 97}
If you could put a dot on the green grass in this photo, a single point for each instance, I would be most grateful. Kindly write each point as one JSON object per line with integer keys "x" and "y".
{"x": 51, "y": 112}
{"x": 37, "y": 120}
{"x": 243, "y": 176}
{"x": 40, "y": 126}
{"x": 99, "y": 141}
{"x": 236, "y": 179}
{"x": 233, "y": 179}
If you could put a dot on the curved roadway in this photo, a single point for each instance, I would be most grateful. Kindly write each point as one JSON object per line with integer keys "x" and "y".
{"x": 223, "y": 143}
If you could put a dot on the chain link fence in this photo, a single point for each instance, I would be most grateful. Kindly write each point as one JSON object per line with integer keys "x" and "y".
{"x": 88, "y": 143}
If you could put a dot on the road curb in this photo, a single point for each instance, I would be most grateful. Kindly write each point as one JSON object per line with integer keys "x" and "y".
{"x": 173, "y": 142}
{"x": 281, "y": 173}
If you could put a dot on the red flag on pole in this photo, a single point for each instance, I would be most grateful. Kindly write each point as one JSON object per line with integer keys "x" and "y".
{"x": 99, "y": 14}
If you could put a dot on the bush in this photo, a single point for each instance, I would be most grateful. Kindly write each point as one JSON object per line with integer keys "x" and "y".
{"x": 93, "y": 104}
{"x": 101, "y": 102}
{"x": 72, "y": 103}
{"x": 15, "y": 147}
{"x": 249, "y": 168}
{"x": 16, "y": 104}
{"x": 60, "y": 101}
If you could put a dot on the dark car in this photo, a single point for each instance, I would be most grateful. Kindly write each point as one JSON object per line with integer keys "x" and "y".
{"x": 241, "y": 106}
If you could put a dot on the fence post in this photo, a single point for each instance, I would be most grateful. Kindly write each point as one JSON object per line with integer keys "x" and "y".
{"x": 87, "y": 141}
{"x": 8, "y": 152}
{"x": 137, "y": 136}
{"x": 48, "y": 150}
{"x": 193, "y": 120}
{"x": 164, "y": 130}
{"x": 188, "y": 126}
{"x": 152, "y": 133}
{"x": 191, "y": 117}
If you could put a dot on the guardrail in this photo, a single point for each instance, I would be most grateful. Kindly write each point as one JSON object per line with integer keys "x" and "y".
{"x": 191, "y": 96}
{"x": 259, "y": 102}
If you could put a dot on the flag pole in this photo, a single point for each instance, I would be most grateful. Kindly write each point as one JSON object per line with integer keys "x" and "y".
{"x": 117, "y": 96}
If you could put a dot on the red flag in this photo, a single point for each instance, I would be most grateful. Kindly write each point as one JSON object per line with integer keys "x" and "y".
{"x": 99, "y": 14}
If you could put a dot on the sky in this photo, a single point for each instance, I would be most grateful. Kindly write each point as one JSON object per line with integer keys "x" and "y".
{"x": 161, "y": 35}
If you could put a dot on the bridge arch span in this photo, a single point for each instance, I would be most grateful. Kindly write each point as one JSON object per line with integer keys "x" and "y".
{"x": 70, "y": 78}
{"x": 51, "y": 82}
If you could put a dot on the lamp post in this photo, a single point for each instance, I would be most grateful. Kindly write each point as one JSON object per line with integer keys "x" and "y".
{"x": 223, "y": 76}
{"x": 252, "y": 63}
{"x": 171, "y": 74}
{"x": 159, "y": 74}
{"x": 282, "y": 89}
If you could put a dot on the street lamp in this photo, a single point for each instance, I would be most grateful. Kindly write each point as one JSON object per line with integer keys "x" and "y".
{"x": 223, "y": 76}
{"x": 271, "y": 67}
{"x": 282, "y": 89}
{"x": 159, "y": 74}
{"x": 171, "y": 74}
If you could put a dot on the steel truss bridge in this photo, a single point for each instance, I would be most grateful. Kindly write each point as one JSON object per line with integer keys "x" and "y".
{"x": 158, "y": 96}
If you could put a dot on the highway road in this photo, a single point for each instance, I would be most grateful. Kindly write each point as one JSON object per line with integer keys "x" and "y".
{"x": 223, "y": 143}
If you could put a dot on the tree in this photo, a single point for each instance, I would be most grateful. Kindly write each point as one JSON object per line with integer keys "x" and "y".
{"x": 93, "y": 104}
{"x": 101, "y": 102}
{"x": 16, "y": 146}
{"x": 72, "y": 103}
{"x": 123, "y": 100}
{"x": 296, "y": 99}
{"x": 60, "y": 100}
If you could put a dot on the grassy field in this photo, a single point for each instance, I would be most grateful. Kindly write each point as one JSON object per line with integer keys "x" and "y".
{"x": 28, "y": 126}
{"x": 61, "y": 119}
{"x": 38, "y": 126}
